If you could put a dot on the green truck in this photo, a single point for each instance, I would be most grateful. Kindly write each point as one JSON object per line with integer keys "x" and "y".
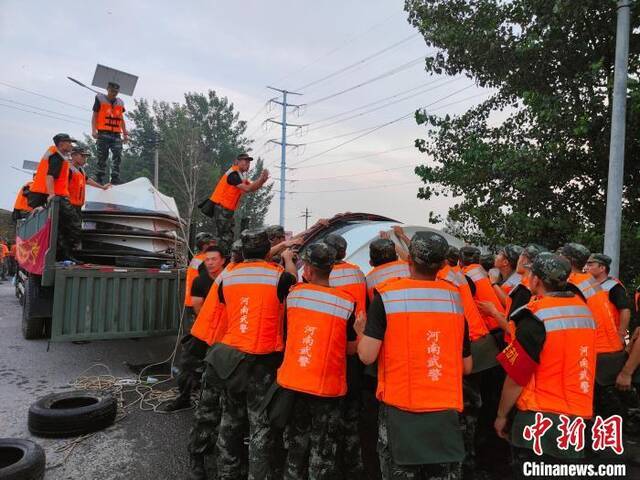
{"x": 69, "y": 302}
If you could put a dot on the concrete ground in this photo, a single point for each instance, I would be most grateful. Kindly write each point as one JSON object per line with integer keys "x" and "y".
{"x": 144, "y": 445}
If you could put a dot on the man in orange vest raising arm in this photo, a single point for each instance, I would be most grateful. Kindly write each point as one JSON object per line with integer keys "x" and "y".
{"x": 52, "y": 181}
{"x": 224, "y": 200}
{"x": 245, "y": 361}
{"x": 416, "y": 329}
{"x": 550, "y": 367}
{"x": 320, "y": 333}
{"x": 107, "y": 126}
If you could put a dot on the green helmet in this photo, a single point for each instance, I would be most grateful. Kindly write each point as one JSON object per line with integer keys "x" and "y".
{"x": 551, "y": 269}
{"x": 255, "y": 239}
{"x": 428, "y": 248}
{"x": 338, "y": 243}
{"x": 576, "y": 253}
{"x": 320, "y": 255}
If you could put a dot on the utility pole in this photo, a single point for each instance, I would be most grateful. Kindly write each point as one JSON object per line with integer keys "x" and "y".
{"x": 283, "y": 143}
{"x": 155, "y": 143}
{"x": 615, "y": 182}
{"x": 306, "y": 216}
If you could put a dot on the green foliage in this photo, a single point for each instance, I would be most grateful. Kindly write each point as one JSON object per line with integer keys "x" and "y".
{"x": 530, "y": 163}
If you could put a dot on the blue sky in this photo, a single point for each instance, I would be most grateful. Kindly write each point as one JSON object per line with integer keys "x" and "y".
{"x": 238, "y": 48}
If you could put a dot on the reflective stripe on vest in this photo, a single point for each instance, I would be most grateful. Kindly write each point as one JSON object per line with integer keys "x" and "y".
{"x": 563, "y": 381}
{"x": 385, "y": 272}
{"x": 511, "y": 282}
{"x": 192, "y": 273}
{"x": 607, "y": 338}
{"x": 254, "y": 311}
{"x": 225, "y": 195}
{"x": 349, "y": 278}
{"x": 60, "y": 184}
{"x": 608, "y": 284}
{"x": 484, "y": 293}
{"x": 110, "y": 115}
{"x": 315, "y": 357}
{"x": 420, "y": 362}
{"x": 477, "y": 273}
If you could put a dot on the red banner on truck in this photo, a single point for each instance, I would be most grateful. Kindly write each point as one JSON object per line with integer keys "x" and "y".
{"x": 30, "y": 252}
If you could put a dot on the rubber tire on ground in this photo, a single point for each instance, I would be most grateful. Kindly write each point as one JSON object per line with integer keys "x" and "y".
{"x": 69, "y": 414}
{"x": 32, "y": 327}
{"x": 21, "y": 459}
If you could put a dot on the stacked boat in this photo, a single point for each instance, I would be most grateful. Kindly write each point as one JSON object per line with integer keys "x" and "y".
{"x": 132, "y": 225}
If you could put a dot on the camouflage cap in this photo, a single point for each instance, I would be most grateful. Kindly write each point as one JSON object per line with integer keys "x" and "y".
{"x": 382, "y": 249}
{"x": 320, "y": 255}
{"x": 532, "y": 250}
{"x": 551, "y": 268}
{"x": 428, "y": 248}
{"x": 470, "y": 254}
{"x": 512, "y": 252}
{"x": 487, "y": 261}
{"x": 453, "y": 253}
{"x": 577, "y": 253}
{"x": 205, "y": 237}
{"x": 255, "y": 239}
{"x": 601, "y": 258}
{"x": 275, "y": 231}
{"x": 338, "y": 243}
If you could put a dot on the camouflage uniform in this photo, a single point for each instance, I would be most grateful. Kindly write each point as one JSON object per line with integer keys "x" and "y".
{"x": 313, "y": 437}
{"x": 204, "y": 433}
{"x": 225, "y": 224}
{"x": 238, "y": 409}
{"x": 469, "y": 420}
{"x": 391, "y": 470}
{"x": 351, "y": 453}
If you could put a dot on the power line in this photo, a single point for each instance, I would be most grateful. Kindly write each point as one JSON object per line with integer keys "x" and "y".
{"x": 44, "y": 96}
{"x": 378, "y": 127}
{"x": 351, "y": 189}
{"x": 43, "y": 114}
{"x": 360, "y": 62}
{"x": 386, "y": 74}
{"x": 368, "y": 155}
{"x": 41, "y": 109}
{"x": 344, "y": 44}
{"x": 358, "y": 174}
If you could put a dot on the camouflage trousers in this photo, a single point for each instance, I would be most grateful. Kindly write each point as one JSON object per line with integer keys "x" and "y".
{"x": 350, "y": 456}
{"x": 313, "y": 435}
{"x": 204, "y": 432}
{"x": 225, "y": 224}
{"x": 108, "y": 142}
{"x": 239, "y": 409}
{"x": 393, "y": 471}
{"x": 191, "y": 364}
{"x": 469, "y": 420}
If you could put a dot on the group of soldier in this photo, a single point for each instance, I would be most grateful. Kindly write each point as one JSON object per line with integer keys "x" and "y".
{"x": 469, "y": 349}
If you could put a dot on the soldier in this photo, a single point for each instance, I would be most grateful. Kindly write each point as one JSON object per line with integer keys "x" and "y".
{"x": 21, "y": 208}
{"x": 78, "y": 180}
{"x": 550, "y": 366}
{"x": 320, "y": 333}
{"x": 386, "y": 266}
{"x": 349, "y": 278}
{"x": 420, "y": 388}
{"x": 488, "y": 261}
{"x": 453, "y": 257}
{"x": 203, "y": 241}
{"x": 110, "y": 131}
{"x": 194, "y": 348}
{"x": 505, "y": 264}
{"x": 244, "y": 362}
{"x": 598, "y": 265}
{"x": 225, "y": 199}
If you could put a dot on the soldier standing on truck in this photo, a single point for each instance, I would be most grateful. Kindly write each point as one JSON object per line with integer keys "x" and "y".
{"x": 52, "y": 181}
{"x": 107, "y": 126}
{"x": 78, "y": 179}
{"x": 224, "y": 200}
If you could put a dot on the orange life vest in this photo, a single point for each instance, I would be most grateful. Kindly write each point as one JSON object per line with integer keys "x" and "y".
{"x": 5, "y": 250}
{"x": 254, "y": 320}
{"x": 607, "y": 285}
{"x": 420, "y": 363}
{"x": 111, "y": 115}
{"x": 510, "y": 283}
{"x": 192, "y": 273}
{"x": 484, "y": 292}
{"x": 563, "y": 380}
{"x": 210, "y": 324}
{"x": 510, "y": 333}
{"x": 349, "y": 278}
{"x": 607, "y": 339}
{"x": 21, "y": 204}
{"x": 12, "y": 251}
{"x": 315, "y": 354}
{"x": 384, "y": 272}
{"x": 225, "y": 195}
{"x": 60, "y": 184}
{"x": 477, "y": 326}
{"x": 77, "y": 186}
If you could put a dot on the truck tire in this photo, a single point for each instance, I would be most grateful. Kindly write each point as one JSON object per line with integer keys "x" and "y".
{"x": 70, "y": 414}
{"x": 32, "y": 326}
{"x": 21, "y": 459}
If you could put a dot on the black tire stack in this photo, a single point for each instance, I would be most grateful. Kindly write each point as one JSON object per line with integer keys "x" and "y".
{"x": 21, "y": 459}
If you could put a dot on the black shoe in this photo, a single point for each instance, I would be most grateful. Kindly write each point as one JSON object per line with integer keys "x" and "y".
{"x": 196, "y": 468}
{"x": 178, "y": 403}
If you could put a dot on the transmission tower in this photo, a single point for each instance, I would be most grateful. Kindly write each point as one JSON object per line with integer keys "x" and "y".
{"x": 283, "y": 143}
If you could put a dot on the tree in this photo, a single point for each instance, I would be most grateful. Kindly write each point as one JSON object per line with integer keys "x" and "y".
{"x": 530, "y": 163}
